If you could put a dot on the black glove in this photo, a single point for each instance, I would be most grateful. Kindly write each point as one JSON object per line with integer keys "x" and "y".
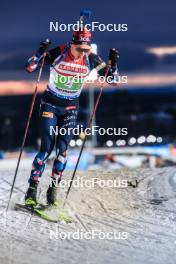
{"x": 44, "y": 45}
{"x": 113, "y": 57}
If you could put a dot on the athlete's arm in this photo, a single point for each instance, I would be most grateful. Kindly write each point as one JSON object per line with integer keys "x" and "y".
{"x": 97, "y": 63}
{"x": 34, "y": 62}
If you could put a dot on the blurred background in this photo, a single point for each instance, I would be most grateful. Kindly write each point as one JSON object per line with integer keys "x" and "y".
{"x": 146, "y": 105}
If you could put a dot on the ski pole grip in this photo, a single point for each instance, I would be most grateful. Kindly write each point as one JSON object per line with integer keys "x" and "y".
{"x": 44, "y": 45}
{"x": 48, "y": 42}
{"x": 113, "y": 57}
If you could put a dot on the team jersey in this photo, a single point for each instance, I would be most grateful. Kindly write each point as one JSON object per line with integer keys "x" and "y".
{"x": 67, "y": 74}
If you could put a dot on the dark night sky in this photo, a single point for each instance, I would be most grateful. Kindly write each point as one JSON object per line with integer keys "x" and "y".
{"x": 150, "y": 23}
{"x": 25, "y": 23}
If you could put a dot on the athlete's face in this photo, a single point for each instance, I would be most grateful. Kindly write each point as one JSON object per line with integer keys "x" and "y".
{"x": 79, "y": 50}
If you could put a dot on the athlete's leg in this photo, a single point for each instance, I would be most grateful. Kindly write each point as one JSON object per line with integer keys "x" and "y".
{"x": 48, "y": 120}
{"x": 62, "y": 143}
{"x": 63, "y": 140}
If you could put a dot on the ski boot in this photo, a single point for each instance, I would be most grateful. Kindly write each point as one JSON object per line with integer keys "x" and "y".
{"x": 51, "y": 195}
{"x": 31, "y": 194}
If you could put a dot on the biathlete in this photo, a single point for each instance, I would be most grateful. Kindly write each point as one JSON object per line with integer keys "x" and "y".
{"x": 60, "y": 104}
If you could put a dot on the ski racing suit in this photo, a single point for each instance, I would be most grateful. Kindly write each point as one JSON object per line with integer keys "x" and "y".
{"x": 60, "y": 103}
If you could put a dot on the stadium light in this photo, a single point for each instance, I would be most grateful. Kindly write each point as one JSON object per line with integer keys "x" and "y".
{"x": 151, "y": 139}
{"x": 159, "y": 139}
{"x": 109, "y": 143}
{"x": 141, "y": 140}
{"x": 132, "y": 141}
{"x": 72, "y": 143}
{"x": 78, "y": 142}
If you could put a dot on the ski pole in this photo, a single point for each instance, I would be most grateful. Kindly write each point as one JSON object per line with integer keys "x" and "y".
{"x": 83, "y": 144}
{"x": 28, "y": 123}
{"x": 112, "y": 53}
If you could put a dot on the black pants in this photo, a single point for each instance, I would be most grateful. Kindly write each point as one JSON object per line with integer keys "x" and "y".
{"x": 58, "y": 118}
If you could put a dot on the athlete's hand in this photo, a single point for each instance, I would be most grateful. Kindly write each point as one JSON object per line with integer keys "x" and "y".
{"x": 44, "y": 45}
{"x": 113, "y": 57}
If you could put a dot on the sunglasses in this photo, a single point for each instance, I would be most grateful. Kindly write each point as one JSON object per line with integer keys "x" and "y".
{"x": 82, "y": 50}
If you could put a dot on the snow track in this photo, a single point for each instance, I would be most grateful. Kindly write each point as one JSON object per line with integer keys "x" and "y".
{"x": 145, "y": 213}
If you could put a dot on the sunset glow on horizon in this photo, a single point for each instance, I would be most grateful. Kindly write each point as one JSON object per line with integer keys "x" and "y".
{"x": 23, "y": 87}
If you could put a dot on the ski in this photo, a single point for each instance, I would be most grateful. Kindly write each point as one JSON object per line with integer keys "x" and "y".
{"x": 50, "y": 213}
